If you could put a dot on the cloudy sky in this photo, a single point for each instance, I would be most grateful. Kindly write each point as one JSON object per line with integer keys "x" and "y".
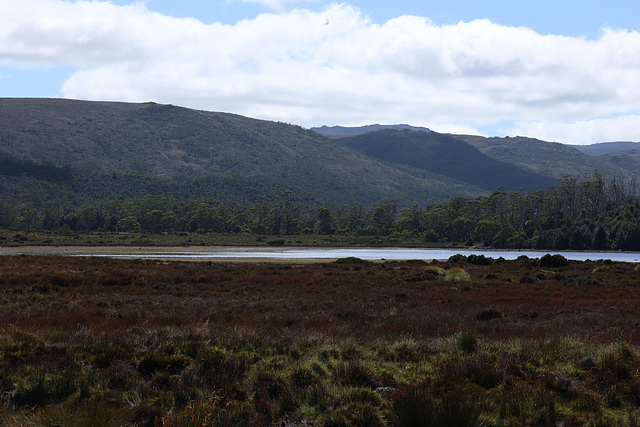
{"x": 566, "y": 71}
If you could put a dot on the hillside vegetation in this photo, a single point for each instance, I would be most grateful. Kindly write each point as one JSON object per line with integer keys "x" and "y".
{"x": 164, "y": 141}
{"x": 76, "y": 151}
{"x": 549, "y": 159}
{"x": 449, "y": 156}
{"x": 629, "y": 160}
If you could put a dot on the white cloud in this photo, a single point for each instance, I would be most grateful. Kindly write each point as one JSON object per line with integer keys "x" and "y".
{"x": 623, "y": 128}
{"x": 335, "y": 67}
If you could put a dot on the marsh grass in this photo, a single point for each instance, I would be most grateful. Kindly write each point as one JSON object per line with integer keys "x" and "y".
{"x": 179, "y": 343}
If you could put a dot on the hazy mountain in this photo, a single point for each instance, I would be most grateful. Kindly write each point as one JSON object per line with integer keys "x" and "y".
{"x": 340, "y": 131}
{"x": 607, "y": 147}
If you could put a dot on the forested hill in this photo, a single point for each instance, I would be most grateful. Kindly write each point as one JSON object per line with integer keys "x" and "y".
{"x": 164, "y": 142}
{"x": 449, "y": 156}
{"x": 75, "y": 151}
{"x": 550, "y": 159}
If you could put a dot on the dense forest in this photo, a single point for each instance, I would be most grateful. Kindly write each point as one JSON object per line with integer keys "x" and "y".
{"x": 590, "y": 214}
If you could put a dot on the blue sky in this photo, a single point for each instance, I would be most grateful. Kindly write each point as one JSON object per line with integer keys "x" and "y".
{"x": 565, "y": 17}
{"x": 563, "y": 71}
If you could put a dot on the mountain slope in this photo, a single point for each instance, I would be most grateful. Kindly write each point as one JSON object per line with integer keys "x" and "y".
{"x": 607, "y": 147}
{"x": 550, "y": 159}
{"x": 340, "y": 131}
{"x": 446, "y": 155}
{"x": 164, "y": 141}
{"x": 629, "y": 160}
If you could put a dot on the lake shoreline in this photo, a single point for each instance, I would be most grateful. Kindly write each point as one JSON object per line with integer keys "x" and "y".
{"x": 297, "y": 254}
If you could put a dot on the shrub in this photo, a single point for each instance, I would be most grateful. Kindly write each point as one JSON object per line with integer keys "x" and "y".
{"x": 479, "y": 260}
{"x": 550, "y": 261}
{"x": 457, "y": 258}
{"x": 527, "y": 279}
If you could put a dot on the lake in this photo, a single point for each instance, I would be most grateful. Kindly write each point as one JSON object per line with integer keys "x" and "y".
{"x": 335, "y": 253}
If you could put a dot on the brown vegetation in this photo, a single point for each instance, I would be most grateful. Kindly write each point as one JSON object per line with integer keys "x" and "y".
{"x": 97, "y": 341}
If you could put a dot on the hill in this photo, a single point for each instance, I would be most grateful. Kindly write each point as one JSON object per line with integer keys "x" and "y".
{"x": 607, "y": 147}
{"x": 629, "y": 160}
{"x": 340, "y": 131}
{"x": 446, "y": 155}
{"x": 550, "y": 159}
{"x": 161, "y": 143}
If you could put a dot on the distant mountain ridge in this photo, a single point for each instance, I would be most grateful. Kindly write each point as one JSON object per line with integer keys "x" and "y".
{"x": 51, "y": 147}
{"x": 340, "y": 131}
{"x": 546, "y": 158}
{"x": 608, "y": 147}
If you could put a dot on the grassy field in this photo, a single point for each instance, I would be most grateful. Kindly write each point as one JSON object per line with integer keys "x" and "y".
{"x": 95, "y": 341}
{"x": 53, "y": 238}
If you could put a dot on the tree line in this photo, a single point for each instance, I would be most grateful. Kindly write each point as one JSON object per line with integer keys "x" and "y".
{"x": 588, "y": 214}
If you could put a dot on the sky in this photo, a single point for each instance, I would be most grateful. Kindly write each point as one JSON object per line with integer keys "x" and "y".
{"x": 564, "y": 71}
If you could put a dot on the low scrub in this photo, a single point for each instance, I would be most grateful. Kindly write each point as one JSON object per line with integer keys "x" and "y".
{"x": 344, "y": 343}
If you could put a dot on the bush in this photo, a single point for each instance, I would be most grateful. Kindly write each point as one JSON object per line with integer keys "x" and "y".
{"x": 457, "y": 258}
{"x": 479, "y": 260}
{"x": 556, "y": 260}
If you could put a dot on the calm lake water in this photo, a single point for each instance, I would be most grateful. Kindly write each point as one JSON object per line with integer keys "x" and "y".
{"x": 366, "y": 254}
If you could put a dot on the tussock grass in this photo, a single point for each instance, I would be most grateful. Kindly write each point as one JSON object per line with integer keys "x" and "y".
{"x": 247, "y": 344}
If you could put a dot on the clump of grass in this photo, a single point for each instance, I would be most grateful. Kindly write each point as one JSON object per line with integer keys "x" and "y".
{"x": 468, "y": 342}
{"x": 457, "y": 274}
{"x": 417, "y": 406}
{"x": 219, "y": 411}
{"x": 354, "y": 373}
{"x": 354, "y": 414}
{"x": 93, "y": 413}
